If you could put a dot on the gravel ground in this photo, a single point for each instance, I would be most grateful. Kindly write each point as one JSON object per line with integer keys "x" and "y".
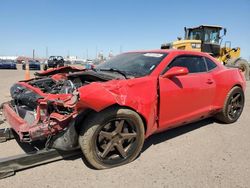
{"x": 203, "y": 154}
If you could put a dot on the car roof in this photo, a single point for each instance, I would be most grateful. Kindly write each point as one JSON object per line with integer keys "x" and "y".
{"x": 172, "y": 51}
{"x": 176, "y": 52}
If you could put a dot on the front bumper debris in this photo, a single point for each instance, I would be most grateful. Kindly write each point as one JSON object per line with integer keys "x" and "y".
{"x": 6, "y": 134}
{"x": 36, "y": 129}
{"x": 17, "y": 123}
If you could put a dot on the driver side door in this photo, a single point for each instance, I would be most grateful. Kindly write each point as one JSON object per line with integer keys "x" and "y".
{"x": 185, "y": 98}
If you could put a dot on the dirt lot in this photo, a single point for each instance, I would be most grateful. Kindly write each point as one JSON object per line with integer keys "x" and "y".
{"x": 203, "y": 154}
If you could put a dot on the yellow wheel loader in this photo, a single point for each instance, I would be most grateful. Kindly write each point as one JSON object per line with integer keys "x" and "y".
{"x": 208, "y": 38}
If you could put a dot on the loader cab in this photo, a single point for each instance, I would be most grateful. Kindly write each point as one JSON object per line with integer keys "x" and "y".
{"x": 209, "y": 36}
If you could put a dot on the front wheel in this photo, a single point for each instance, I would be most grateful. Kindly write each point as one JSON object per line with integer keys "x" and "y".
{"x": 233, "y": 106}
{"x": 112, "y": 137}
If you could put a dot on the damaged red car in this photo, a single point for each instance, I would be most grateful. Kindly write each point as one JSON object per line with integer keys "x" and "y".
{"x": 109, "y": 111}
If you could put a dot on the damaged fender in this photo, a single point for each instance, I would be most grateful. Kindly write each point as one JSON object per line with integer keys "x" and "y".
{"x": 128, "y": 93}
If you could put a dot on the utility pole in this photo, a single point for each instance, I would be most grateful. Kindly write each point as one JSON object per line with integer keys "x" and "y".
{"x": 33, "y": 53}
{"x": 87, "y": 54}
{"x": 68, "y": 53}
{"x": 47, "y": 52}
{"x": 120, "y": 49}
{"x": 96, "y": 49}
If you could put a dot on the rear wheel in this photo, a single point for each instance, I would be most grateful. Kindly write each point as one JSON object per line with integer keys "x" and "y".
{"x": 233, "y": 106}
{"x": 112, "y": 137}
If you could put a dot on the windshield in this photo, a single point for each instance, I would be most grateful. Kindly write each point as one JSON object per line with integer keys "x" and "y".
{"x": 136, "y": 64}
{"x": 212, "y": 35}
{"x": 194, "y": 34}
{"x": 209, "y": 35}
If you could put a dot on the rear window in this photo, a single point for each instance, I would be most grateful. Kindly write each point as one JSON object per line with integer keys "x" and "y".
{"x": 210, "y": 64}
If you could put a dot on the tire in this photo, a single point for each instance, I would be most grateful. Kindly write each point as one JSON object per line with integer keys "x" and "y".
{"x": 103, "y": 141}
{"x": 233, "y": 106}
{"x": 61, "y": 64}
{"x": 242, "y": 64}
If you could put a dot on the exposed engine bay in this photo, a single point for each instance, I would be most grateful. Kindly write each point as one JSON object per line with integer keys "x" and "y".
{"x": 22, "y": 94}
{"x": 48, "y": 100}
{"x": 69, "y": 84}
{"x": 49, "y": 85}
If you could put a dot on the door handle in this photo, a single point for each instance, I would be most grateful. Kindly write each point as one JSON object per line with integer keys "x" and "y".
{"x": 209, "y": 81}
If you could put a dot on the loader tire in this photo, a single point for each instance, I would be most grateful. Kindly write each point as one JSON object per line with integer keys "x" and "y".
{"x": 242, "y": 64}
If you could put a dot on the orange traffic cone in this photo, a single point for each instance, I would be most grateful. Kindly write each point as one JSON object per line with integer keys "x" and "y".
{"x": 27, "y": 71}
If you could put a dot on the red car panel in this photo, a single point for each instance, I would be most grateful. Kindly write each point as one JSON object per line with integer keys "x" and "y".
{"x": 189, "y": 96}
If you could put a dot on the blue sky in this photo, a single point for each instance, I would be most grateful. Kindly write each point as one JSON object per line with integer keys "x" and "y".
{"x": 73, "y": 27}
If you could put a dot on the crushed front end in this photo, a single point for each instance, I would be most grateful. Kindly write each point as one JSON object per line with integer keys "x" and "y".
{"x": 35, "y": 116}
{"x": 44, "y": 108}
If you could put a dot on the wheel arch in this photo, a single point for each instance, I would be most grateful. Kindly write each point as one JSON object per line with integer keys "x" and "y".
{"x": 237, "y": 85}
{"x": 229, "y": 89}
{"x": 82, "y": 116}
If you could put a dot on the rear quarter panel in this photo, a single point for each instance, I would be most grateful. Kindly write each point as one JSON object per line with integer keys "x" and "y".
{"x": 225, "y": 80}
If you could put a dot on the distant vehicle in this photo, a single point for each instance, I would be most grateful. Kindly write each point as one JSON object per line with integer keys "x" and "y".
{"x": 55, "y": 61}
{"x": 67, "y": 63}
{"x": 7, "y": 64}
{"x": 33, "y": 65}
{"x": 78, "y": 62}
{"x": 89, "y": 66}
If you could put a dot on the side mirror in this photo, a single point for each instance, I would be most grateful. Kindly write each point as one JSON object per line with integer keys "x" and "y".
{"x": 225, "y": 31}
{"x": 175, "y": 71}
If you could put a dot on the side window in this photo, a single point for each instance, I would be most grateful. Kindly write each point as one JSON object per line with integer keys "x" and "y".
{"x": 210, "y": 64}
{"x": 194, "y": 64}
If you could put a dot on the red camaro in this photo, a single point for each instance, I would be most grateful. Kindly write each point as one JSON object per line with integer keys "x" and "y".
{"x": 110, "y": 110}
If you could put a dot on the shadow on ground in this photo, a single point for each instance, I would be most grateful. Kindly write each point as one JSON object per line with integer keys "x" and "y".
{"x": 172, "y": 133}
{"x": 152, "y": 140}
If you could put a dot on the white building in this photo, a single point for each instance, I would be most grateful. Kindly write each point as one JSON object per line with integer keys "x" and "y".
{"x": 8, "y": 57}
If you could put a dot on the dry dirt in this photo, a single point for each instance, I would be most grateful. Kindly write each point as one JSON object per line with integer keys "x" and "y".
{"x": 203, "y": 154}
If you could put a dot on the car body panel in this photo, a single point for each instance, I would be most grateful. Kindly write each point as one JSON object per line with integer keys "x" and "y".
{"x": 189, "y": 96}
{"x": 59, "y": 70}
{"x": 129, "y": 93}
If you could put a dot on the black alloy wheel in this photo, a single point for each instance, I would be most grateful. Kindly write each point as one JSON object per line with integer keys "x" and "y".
{"x": 233, "y": 106}
{"x": 116, "y": 140}
{"x": 112, "y": 137}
